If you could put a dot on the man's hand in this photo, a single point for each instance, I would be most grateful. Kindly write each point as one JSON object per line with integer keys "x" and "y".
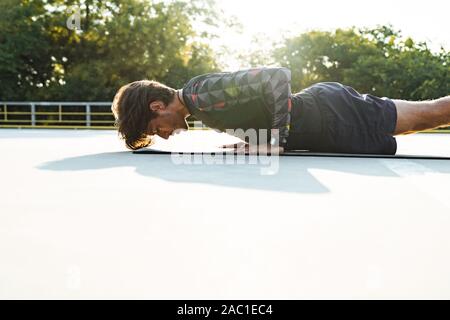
{"x": 263, "y": 149}
{"x": 234, "y": 145}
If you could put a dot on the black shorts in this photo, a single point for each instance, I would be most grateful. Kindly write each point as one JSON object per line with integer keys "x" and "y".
{"x": 331, "y": 117}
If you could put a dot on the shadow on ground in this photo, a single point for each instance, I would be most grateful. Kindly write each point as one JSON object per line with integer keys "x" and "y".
{"x": 293, "y": 173}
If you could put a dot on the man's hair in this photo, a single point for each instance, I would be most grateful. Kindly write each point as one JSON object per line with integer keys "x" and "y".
{"x": 131, "y": 110}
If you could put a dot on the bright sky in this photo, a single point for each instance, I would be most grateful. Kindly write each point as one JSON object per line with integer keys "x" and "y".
{"x": 425, "y": 20}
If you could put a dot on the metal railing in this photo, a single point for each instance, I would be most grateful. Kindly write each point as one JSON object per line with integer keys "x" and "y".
{"x": 70, "y": 115}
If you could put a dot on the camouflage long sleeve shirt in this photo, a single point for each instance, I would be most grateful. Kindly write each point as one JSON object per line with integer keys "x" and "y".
{"x": 257, "y": 98}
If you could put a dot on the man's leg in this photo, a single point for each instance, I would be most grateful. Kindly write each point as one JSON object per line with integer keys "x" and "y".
{"x": 418, "y": 116}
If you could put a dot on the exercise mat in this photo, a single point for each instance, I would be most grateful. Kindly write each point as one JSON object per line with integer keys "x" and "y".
{"x": 297, "y": 153}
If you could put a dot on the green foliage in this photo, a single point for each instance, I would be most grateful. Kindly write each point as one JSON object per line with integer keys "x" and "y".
{"x": 24, "y": 47}
{"x": 119, "y": 42}
{"x": 128, "y": 40}
{"x": 376, "y": 61}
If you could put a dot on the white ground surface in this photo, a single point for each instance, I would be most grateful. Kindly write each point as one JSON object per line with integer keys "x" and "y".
{"x": 81, "y": 217}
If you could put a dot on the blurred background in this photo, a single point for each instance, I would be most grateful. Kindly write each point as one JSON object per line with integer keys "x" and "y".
{"x": 61, "y": 62}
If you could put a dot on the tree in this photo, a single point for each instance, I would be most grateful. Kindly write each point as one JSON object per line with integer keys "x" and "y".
{"x": 377, "y": 61}
{"x": 119, "y": 42}
{"x": 24, "y": 48}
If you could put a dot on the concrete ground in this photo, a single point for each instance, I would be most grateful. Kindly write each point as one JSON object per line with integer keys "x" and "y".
{"x": 81, "y": 217}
